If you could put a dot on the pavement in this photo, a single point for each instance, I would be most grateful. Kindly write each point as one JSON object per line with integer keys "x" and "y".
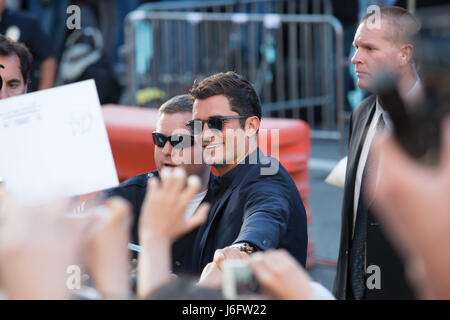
{"x": 325, "y": 203}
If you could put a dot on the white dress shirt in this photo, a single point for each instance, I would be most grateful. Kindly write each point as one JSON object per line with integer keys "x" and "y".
{"x": 194, "y": 204}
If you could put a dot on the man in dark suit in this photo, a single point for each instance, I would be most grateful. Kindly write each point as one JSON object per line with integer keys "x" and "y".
{"x": 256, "y": 204}
{"x": 173, "y": 148}
{"x": 368, "y": 266}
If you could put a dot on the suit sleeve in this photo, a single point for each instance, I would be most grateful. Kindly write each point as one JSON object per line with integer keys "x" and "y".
{"x": 266, "y": 214}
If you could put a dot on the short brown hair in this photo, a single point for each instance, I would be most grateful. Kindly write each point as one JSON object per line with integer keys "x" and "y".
{"x": 9, "y": 48}
{"x": 239, "y": 91}
{"x": 405, "y": 26}
{"x": 180, "y": 103}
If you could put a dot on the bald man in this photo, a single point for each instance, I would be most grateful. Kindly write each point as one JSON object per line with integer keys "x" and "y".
{"x": 368, "y": 266}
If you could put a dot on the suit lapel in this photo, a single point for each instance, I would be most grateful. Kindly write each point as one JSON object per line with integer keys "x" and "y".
{"x": 354, "y": 153}
{"x": 215, "y": 210}
{"x": 360, "y": 120}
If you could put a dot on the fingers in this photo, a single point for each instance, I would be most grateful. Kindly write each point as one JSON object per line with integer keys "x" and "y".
{"x": 211, "y": 276}
{"x": 228, "y": 253}
{"x": 259, "y": 265}
{"x": 165, "y": 204}
{"x": 281, "y": 274}
{"x": 153, "y": 187}
{"x": 172, "y": 186}
{"x": 262, "y": 268}
{"x": 198, "y": 218}
{"x": 119, "y": 209}
{"x": 192, "y": 188}
{"x": 273, "y": 263}
{"x": 173, "y": 181}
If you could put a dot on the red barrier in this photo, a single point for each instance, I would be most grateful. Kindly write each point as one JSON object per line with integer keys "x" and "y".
{"x": 130, "y": 135}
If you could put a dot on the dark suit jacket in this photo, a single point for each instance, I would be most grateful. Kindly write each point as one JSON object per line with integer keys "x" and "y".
{"x": 134, "y": 190}
{"x": 263, "y": 210}
{"x": 379, "y": 250}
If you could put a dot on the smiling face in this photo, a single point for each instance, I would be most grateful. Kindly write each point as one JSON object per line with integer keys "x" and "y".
{"x": 168, "y": 156}
{"x": 375, "y": 52}
{"x": 223, "y": 149}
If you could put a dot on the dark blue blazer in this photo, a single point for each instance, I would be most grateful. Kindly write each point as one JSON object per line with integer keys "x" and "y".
{"x": 263, "y": 210}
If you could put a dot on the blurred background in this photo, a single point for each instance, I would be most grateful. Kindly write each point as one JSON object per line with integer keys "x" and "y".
{"x": 295, "y": 52}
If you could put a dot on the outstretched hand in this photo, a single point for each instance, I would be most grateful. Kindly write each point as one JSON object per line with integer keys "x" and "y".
{"x": 37, "y": 247}
{"x": 163, "y": 220}
{"x": 281, "y": 275}
{"x": 162, "y": 214}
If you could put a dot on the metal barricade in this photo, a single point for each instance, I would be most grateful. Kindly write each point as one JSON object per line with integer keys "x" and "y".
{"x": 244, "y": 6}
{"x": 294, "y": 61}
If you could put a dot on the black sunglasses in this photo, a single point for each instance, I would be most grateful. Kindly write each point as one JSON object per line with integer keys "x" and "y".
{"x": 216, "y": 122}
{"x": 179, "y": 141}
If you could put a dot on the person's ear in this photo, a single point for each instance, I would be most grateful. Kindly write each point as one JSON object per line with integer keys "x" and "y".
{"x": 406, "y": 55}
{"x": 252, "y": 125}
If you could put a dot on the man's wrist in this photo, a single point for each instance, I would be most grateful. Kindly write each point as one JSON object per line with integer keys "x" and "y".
{"x": 245, "y": 247}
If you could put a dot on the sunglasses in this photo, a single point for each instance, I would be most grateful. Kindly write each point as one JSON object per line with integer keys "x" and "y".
{"x": 179, "y": 141}
{"x": 216, "y": 122}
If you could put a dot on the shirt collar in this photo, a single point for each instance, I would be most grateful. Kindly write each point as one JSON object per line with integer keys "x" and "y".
{"x": 380, "y": 112}
{"x": 416, "y": 87}
{"x": 239, "y": 170}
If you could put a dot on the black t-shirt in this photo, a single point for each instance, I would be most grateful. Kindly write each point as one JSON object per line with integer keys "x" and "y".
{"x": 28, "y": 30}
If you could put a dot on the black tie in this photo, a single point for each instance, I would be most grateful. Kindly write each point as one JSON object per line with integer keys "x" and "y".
{"x": 357, "y": 272}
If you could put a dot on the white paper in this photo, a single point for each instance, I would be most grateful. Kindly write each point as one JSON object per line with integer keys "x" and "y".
{"x": 54, "y": 143}
{"x": 337, "y": 175}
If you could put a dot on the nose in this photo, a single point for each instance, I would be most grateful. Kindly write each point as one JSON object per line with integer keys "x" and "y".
{"x": 357, "y": 58}
{"x": 3, "y": 92}
{"x": 167, "y": 149}
{"x": 207, "y": 133}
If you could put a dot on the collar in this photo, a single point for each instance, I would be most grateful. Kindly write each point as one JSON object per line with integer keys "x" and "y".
{"x": 380, "y": 112}
{"x": 415, "y": 89}
{"x": 239, "y": 170}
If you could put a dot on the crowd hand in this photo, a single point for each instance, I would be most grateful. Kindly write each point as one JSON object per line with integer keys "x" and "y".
{"x": 212, "y": 273}
{"x": 106, "y": 254}
{"x": 162, "y": 220}
{"x": 162, "y": 213}
{"x": 37, "y": 247}
{"x": 413, "y": 203}
{"x": 281, "y": 276}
